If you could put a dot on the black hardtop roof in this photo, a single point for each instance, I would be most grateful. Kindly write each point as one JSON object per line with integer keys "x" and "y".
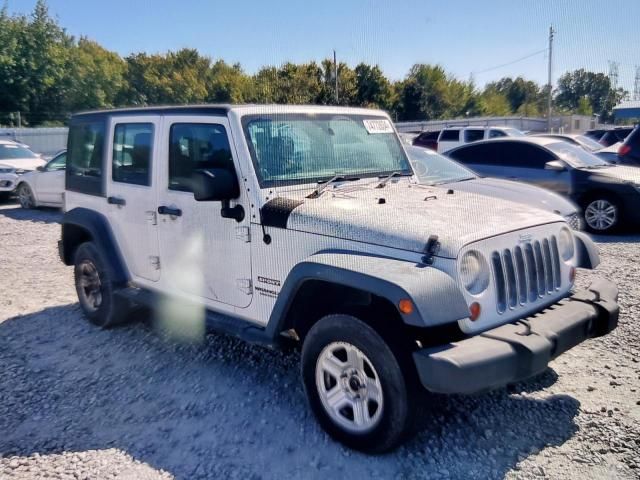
{"x": 207, "y": 109}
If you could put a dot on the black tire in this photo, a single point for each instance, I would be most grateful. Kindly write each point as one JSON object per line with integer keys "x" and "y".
{"x": 111, "y": 310}
{"x": 602, "y": 202}
{"x": 397, "y": 410}
{"x": 25, "y": 196}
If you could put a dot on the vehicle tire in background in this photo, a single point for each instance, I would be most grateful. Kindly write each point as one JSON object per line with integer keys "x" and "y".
{"x": 355, "y": 384}
{"x": 95, "y": 290}
{"x": 602, "y": 214}
{"x": 25, "y": 196}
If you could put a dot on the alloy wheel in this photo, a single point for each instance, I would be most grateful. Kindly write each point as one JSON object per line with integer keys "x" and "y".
{"x": 601, "y": 215}
{"x": 90, "y": 285}
{"x": 25, "y": 196}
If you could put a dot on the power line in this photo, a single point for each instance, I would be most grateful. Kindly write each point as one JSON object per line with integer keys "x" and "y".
{"x": 511, "y": 62}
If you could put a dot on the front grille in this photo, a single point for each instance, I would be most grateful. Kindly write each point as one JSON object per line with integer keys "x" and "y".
{"x": 575, "y": 221}
{"x": 525, "y": 273}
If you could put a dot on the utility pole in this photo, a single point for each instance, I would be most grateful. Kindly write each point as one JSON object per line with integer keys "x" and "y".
{"x": 19, "y": 120}
{"x": 550, "y": 99}
{"x": 335, "y": 73}
{"x": 636, "y": 84}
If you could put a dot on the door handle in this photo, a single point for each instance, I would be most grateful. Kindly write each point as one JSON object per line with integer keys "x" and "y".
{"x": 174, "y": 212}
{"x": 116, "y": 201}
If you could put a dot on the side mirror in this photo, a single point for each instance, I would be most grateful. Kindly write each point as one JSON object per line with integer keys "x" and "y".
{"x": 555, "y": 165}
{"x": 215, "y": 185}
{"x": 40, "y": 168}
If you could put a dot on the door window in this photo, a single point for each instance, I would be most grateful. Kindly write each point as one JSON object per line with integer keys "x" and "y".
{"x": 450, "y": 136}
{"x": 196, "y": 146}
{"x": 132, "y": 146}
{"x": 86, "y": 145}
{"x": 496, "y": 133}
{"x": 473, "y": 135}
{"x": 58, "y": 163}
{"x": 524, "y": 155}
{"x": 479, "y": 154}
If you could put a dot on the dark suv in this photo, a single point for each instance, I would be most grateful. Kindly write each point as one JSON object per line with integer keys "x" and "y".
{"x": 629, "y": 151}
{"x": 615, "y": 135}
{"x": 608, "y": 194}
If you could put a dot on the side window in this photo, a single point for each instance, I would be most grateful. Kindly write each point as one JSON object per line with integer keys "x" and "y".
{"x": 196, "y": 146}
{"x": 523, "y": 155}
{"x": 496, "y": 133}
{"x": 58, "y": 163}
{"x": 473, "y": 135}
{"x": 484, "y": 154}
{"x": 450, "y": 136}
{"x": 132, "y": 148}
{"x": 85, "y": 151}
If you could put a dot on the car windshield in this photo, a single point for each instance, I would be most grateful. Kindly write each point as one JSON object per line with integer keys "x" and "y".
{"x": 513, "y": 132}
{"x": 432, "y": 168}
{"x": 12, "y": 152}
{"x": 576, "y": 156}
{"x": 290, "y": 149}
{"x": 588, "y": 142}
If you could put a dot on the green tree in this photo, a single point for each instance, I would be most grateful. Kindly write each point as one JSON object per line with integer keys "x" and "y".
{"x": 289, "y": 84}
{"x": 524, "y": 96}
{"x": 229, "y": 84}
{"x": 574, "y": 86}
{"x": 373, "y": 88}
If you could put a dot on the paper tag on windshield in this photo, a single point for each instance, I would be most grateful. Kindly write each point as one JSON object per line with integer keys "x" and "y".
{"x": 379, "y": 125}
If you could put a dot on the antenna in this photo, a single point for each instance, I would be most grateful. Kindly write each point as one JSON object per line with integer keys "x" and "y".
{"x": 549, "y": 105}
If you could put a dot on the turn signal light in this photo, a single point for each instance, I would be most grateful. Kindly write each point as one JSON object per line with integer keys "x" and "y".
{"x": 405, "y": 306}
{"x": 474, "y": 311}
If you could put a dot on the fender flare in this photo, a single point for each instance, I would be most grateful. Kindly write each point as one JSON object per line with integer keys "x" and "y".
{"x": 97, "y": 226}
{"x": 434, "y": 293}
{"x": 586, "y": 251}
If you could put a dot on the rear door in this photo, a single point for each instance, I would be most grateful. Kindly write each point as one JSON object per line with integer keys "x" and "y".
{"x": 203, "y": 254}
{"x": 130, "y": 191}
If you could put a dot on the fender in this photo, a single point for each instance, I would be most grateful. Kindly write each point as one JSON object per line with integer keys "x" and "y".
{"x": 435, "y": 295}
{"x": 97, "y": 226}
{"x": 586, "y": 251}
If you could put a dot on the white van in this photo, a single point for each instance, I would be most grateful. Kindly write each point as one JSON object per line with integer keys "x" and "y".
{"x": 452, "y": 137}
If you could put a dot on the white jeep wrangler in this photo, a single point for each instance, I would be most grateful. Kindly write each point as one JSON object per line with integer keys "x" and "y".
{"x": 303, "y": 224}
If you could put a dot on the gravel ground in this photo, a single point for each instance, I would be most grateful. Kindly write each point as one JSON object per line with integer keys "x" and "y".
{"x": 77, "y": 402}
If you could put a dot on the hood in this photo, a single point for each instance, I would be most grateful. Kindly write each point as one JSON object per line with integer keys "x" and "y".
{"x": 517, "y": 192}
{"x": 23, "y": 163}
{"x": 620, "y": 172}
{"x": 404, "y": 215}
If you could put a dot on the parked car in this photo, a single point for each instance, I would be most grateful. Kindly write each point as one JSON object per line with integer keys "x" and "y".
{"x": 435, "y": 169}
{"x": 609, "y": 154}
{"x": 15, "y": 160}
{"x": 452, "y": 137}
{"x": 583, "y": 141}
{"x": 427, "y": 139}
{"x": 614, "y": 135}
{"x": 629, "y": 151}
{"x": 44, "y": 187}
{"x": 595, "y": 134}
{"x": 304, "y": 224}
{"x": 608, "y": 194}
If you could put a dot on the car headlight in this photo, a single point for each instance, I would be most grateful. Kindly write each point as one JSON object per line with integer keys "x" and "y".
{"x": 565, "y": 244}
{"x": 474, "y": 272}
{"x": 4, "y": 169}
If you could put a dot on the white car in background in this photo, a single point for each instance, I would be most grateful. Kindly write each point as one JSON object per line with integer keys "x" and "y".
{"x": 15, "y": 160}
{"x": 44, "y": 187}
{"x": 452, "y": 137}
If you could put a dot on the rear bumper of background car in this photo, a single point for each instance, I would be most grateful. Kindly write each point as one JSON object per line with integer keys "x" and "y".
{"x": 522, "y": 349}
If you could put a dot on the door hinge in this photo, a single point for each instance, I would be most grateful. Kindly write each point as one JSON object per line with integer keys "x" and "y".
{"x": 244, "y": 234}
{"x": 152, "y": 217}
{"x": 245, "y": 285}
{"x": 154, "y": 261}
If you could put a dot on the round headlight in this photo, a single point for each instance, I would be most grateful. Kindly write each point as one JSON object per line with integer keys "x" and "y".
{"x": 474, "y": 272}
{"x": 565, "y": 244}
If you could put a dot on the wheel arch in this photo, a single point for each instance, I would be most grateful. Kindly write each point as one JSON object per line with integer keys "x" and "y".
{"x": 23, "y": 181}
{"x": 83, "y": 225}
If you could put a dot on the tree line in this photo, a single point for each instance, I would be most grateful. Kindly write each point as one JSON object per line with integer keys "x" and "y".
{"x": 46, "y": 74}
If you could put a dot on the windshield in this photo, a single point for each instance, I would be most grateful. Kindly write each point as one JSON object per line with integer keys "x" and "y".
{"x": 576, "y": 156}
{"x": 588, "y": 143}
{"x": 11, "y": 152}
{"x": 290, "y": 149}
{"x": 432, "y": 168}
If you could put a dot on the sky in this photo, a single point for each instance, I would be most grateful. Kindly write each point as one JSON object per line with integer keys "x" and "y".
{"x": 466, "y": 37}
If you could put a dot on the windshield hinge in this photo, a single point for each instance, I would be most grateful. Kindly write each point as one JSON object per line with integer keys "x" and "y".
{"x": 154, "y": 260}
{"x": 245, "y": 285}
{"x": 431, "y": 249}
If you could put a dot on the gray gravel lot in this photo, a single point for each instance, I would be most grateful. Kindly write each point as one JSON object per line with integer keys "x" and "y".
{"x": 77, "y": 402}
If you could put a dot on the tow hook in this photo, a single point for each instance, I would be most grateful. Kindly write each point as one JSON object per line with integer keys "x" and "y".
{"x": 527, "y": 326}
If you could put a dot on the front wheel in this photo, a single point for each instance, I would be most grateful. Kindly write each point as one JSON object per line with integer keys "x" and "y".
{"x": 25, "y": 196}
{"x": 602, "y": 215}
{"x": 355, "y": 385}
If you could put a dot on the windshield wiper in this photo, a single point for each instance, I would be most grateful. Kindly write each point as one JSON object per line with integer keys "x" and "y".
{"x": 388, "y": 178}
{"x": 322, "y": 185}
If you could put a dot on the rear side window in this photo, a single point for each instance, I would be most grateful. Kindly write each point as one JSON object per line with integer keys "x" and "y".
{"x": 473, "y": 135}
{"x": 450, "y": 136}
{"x": 84, "y": 157}
{"x": 131, "y": 163}
{"x": 196, "y": 146}
{"x": 524, "y": 155}
{"x": 479, "y": 154}
{"x": 496, "y": 134}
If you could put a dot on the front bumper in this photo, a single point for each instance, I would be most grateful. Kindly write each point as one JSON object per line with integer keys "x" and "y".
{"x": 8, "y": 182}
{"x": 519, "y": 350}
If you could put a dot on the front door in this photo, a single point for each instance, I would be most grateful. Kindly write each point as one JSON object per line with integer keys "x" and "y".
{"x": 131, "y": 193}
{"x": 202, "y": 254}
{"x": 50, "y": 182}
